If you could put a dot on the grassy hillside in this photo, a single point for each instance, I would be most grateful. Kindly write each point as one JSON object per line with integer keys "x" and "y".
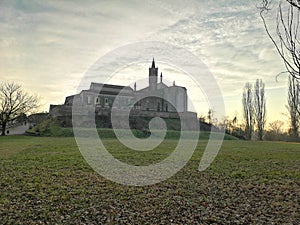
{"x": 51, "y": 128}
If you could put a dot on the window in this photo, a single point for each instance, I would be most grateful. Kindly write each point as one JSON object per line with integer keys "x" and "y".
{"x": 106, "y": 101}
{"x": 97, "y": 102}
{"x": 89, "y": 100}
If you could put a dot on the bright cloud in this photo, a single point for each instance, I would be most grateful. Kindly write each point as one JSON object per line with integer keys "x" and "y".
{"x": 48, "y": 45}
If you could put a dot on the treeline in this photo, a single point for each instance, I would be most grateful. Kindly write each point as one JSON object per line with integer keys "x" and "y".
{"x": 253, "y": 125}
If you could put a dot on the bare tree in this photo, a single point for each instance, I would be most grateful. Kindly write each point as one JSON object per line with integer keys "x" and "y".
{"x": 14, "y": 102}
{"x": 286, "y": 37}
{"x": 276, "y": 131}
{"x": 286, "y": 40}
{"x": 260, "y": 107}
{"x": 210, "y": 116}
{"x": 248, "y": 110}
{"x": 294, "y": 106}
{"x": 276, "y": 127}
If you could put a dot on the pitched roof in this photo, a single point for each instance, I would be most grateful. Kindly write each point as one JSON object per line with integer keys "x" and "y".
{"x": 109, "y": 89}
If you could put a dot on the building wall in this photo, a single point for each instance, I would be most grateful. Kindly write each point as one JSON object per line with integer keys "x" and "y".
{"x": 149, "y": 104}
{"x": 105, "y": 100}
{"x": 175, "y": 99}
{"x": 172, "y": 99}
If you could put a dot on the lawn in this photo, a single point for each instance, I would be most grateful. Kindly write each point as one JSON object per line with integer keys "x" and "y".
{"x": 44, "y": 180}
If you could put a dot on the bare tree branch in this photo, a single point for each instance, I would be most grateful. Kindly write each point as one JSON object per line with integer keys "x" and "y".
{"x": 295, "y": 3}
{"x": 286, "y": 37}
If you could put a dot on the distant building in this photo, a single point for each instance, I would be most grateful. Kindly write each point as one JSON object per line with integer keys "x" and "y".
{"x": 36, "y": 118}
{"x": 157, "y": 99}
{"x": 163, "y": 98}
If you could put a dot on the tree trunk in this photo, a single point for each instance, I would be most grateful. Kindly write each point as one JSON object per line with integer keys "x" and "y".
{"x": 3, "y": 129}
{"x": 260, "y": 135}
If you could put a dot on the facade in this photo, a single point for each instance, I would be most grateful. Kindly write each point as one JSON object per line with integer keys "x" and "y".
{"x": 157, "y": 99}
{"x": 102, "y": 96}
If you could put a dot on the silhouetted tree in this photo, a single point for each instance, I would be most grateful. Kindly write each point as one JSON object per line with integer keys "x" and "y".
{"x": 248, "y": 110}
{"x": 276, "y": 131}
{"x": 260, "y": 107}
{"x": 14, "y": 102}
{"x": 210, "y": 116}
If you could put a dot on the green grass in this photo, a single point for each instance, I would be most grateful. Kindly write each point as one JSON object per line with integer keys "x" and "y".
{"x": 46, "y": 180}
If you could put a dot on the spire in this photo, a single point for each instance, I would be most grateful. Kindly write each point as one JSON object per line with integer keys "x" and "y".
{"x": 161, "y": 77}
{"x": 153, "y": 63}
{"x": 153, "y": 75}
{"x": 135, "y": 86}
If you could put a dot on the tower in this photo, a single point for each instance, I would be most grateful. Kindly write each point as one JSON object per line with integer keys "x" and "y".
{"x": 153, "y": 73}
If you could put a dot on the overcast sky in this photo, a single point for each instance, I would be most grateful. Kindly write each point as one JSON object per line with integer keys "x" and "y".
{"x": 47, "y": 46}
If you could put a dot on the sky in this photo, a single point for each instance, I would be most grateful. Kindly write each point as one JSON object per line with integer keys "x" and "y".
{"x": 48, "y": 46}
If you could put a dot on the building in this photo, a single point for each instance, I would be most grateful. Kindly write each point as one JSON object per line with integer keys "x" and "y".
{"x": 157, "y": 99}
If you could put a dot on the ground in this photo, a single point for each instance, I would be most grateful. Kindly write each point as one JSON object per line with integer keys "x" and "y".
{"x": 44, "y": 180}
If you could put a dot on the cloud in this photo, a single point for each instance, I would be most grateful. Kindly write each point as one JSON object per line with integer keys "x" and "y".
{"x": 48, "y": 45}
{"x": 229, "y": 37}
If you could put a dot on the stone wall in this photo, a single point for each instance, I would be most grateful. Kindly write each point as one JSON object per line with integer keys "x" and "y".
{"x": 88, "y": 116}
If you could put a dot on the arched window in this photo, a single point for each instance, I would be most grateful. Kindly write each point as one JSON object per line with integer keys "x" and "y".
{"x": 97, "y": 101}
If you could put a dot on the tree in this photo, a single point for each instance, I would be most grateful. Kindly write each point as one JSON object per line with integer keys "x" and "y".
{"x": 210, "y": 116}
{"x": 294, "y": 106}
{"x": 248, "y": 110}
{"x": 276, "y": 131}
{"x": 14, "y": 102}
{"x": 260, "y": 107}
{"x": 287, "y": 43}
{"x": 287, "y": 39}
{"x": 276, "y": 127}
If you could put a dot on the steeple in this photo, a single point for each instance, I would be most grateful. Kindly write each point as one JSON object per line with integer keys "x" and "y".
{"x": 161, "y": 77}
{"x": 153, "y": 63}
{"x": 153, "y": 74}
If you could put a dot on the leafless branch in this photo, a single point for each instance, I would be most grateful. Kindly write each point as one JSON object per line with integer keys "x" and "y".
{"x": 286, "y": 37}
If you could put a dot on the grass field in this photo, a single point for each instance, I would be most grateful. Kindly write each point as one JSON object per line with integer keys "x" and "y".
{"x": 44, "y": 180}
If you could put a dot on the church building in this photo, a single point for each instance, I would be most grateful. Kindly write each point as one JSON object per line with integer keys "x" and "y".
{"x": 157, "y": 98}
